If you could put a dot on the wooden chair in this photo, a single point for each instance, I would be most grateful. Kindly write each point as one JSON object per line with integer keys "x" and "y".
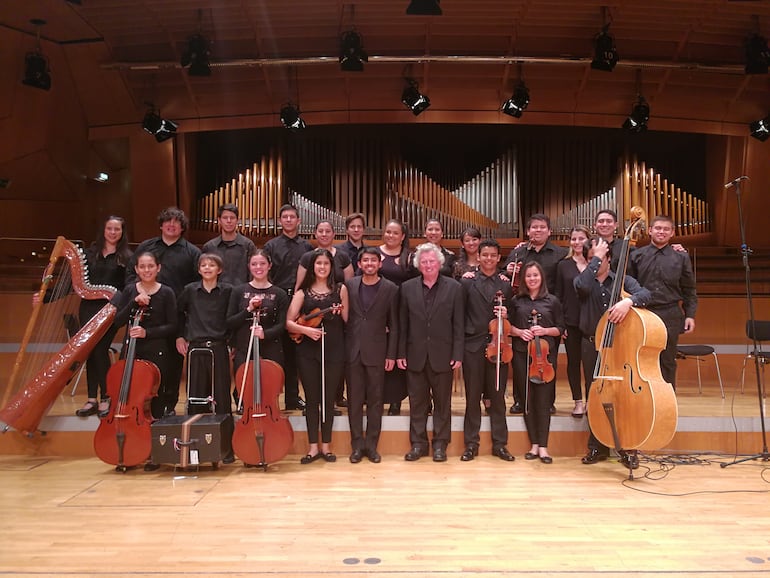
{"x": 758, "y": 331}
{"x": 699, "y": 352}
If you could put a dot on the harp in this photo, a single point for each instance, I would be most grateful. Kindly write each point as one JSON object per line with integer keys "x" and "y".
{"x": 35, "y": 390}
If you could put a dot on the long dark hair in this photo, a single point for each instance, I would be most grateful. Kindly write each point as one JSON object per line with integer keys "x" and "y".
{"x": 122, "y": 252}
{"x": 523, "y": 290}
{"x": 403, "y": 258}
{"x": 472, "y": 232}
{"x": 310, "y": 277}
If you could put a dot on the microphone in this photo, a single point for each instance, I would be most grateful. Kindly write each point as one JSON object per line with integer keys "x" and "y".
{"x": 736, "y": 181}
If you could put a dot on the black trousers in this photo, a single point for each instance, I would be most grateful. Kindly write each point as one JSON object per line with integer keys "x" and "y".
{"x": 589, "y": 361}
{"x": 423, "y": 387}
{"x": 158, "y": 352}
{"x": 536, "y": 400}
{"x": 365, "y": 385}
{"x": 573, "y": 345}
{"x": 98, "y": 362}
{"x": 673, "y": 318}
{"x": 204, "y": 378}
{"x": 480, "y": 378}
{"x": 290, "y": 364}
{"x": 310, "y": 374}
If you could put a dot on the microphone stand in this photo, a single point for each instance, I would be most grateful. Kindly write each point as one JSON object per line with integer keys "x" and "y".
{"x": 745, "y": 252}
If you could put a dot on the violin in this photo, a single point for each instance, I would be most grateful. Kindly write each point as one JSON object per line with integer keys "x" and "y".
{"x": 312, "y": 319}
{"x": 124, "y": 438}
{"x": 540, "y": 369}
{"x": 262, "y": 435}
{"x": 630, "y": 406}
{"x": 499, "y": 349}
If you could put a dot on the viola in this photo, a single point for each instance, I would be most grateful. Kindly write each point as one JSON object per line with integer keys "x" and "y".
{"x": 499, "y": 349}
{"x": 540, "y": 369}
{"x": 262, "y": 435}
{"x": 312, "y": 319}
{"x": 124, "y": 438}
{"x": 630, "y": 406}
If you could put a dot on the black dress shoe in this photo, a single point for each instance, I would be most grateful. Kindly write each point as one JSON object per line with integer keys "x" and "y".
{"x": 151, "y": 467}
{"x": 503, "y": 453}
{"x": 546, "y": 459}
{"x": 516, "y": 408}
{"x": 439, "y": 455}
{"x": 394, "y": 409}
{"x": 593, "y": 456}
{"x": 374, "y": 457}
{"x": 630, "y": 460}
{"x": 229, "y": 458}
{"x": 105, "y": 412}
{"x": 298, "y": 403}
{"x": 530, "y": 456}
{"x": 308, "y": 459}
{"x": 329, "y": 457}
{"x": 90, "y": 408}
{"x": 356, "y": 456}
{"x": 415, "y": 454}
{"x": 469, "y": 453}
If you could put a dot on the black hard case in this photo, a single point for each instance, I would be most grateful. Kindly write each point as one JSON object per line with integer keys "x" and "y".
{"x": 211, "y": 435}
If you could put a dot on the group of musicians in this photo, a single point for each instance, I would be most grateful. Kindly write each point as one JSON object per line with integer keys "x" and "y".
{"x": 386, "y": 321}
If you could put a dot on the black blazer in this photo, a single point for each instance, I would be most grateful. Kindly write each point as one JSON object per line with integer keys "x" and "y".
{"x": 435, "y": 336}
{"x": 372, "y": 333}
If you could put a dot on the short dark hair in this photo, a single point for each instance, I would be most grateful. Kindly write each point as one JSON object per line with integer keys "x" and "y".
{"x": 539, "y": 217}
{"x": 352, "y": 217}
{"x": 609, "y": 212}
{"x": 663, "y": 218}
{"x": 369, "y": 250}
{"x": 227, "y": 207}
{"x": 171, "y": 213}
{"x": 211, "y": 257}
{"x": 489, "y": 243}
{"x": 589, "y": 244}
{"x": 287, "y": 207}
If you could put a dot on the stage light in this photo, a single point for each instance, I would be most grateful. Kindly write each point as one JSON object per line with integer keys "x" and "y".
{"x": 605, "y": 53}
{"x": 290, "y": 117}
{"x": 36, "y": 72}
{"x": 424, "y": 8}
{"x": 519, "y": 101}
{"x": 161, "y": 128}
{"x": 757, "y": 55}
{"x": 413, "y": 99}
{"x": 197, "y": 56}
{"x": 760, "y": 129}
{"x": 640, "y": 114}
{"x": 352, "y": 53}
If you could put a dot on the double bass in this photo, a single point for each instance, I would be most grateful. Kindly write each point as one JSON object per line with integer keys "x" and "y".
{"x": 262, "y": 435}
{"x": 124, "y": 438}
{"x": 630, "y": 406}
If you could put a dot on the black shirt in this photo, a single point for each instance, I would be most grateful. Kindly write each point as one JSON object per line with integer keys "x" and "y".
{"x": 668, "y": 275}
{"x": 179, "y": 262}
{"x": 595, "y": 297}
{"x": 285, "y": 253}
{"x": 340, "y": 262}
{"x": 550, "y": 312}
{"x": 235, "y": 256}
{"x": 352, "y": 252}
{"x": 548, "y": 257}
{"x": 203, "y": 314}
{"x": 566, "y": 271}
{"x": 159, "y": 321}
{"x": 480, "y": 301}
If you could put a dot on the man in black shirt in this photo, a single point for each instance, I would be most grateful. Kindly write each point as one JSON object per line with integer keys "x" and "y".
{"x": 480, "y": 374}
{"x": 285, "y": 252}
{"x": 355, "y": 226}
{"x": 669, "y": 276}
{"x": 179, "y": 266}
{"x": 234, "y": 248}
{"x": 594, "y": 289}
{"x": 538, "y": 249}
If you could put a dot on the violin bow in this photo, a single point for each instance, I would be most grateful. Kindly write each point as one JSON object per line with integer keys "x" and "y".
{"x": 323, "y": 374}
{"x": 499, "y": 299}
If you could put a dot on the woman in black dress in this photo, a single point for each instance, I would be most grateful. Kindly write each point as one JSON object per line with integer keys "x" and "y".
{"x": 317, "y": 357}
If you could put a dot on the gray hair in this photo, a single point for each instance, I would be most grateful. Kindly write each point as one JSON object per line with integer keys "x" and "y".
{"x": 424, "y": 248}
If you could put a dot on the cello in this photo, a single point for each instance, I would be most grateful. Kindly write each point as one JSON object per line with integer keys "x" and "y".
{"x": 630, "y": 406}
{"x": 124, "y": 438}
{"x": 262, "y": 435}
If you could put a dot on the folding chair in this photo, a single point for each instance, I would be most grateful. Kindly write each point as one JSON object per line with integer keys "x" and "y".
{"x": 698, "y": 352}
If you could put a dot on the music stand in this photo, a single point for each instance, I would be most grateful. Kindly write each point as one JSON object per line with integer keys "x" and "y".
{"x": 745, "y": 252}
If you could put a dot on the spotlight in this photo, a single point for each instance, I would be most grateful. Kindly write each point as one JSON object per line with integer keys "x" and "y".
{"x": 760, "y": 129}
{"x": 290, "y": 117}
{"x": 160, "y": 128}
{"x": 424, "y": 8}
{"x": 352, "y": 53}
{"x": 640, "y": 114}
{"x": 515, "y": 105}
{"x": 197, "y": 56}
{"x": 605, "y": 53}
{"x": 413, "y": 99}
{"x": 757, "y": 55}
{"x": 36, "y": 72}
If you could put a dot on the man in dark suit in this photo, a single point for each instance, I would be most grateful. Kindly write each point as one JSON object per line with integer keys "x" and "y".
{"x": 371, "y": 342}
{"x": 430, "y": 348}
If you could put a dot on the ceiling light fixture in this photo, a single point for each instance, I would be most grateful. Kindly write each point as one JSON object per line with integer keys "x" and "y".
{"x": 518, "y": 102}
{"x": 757, "y": 55}
{"x": 161, "y": 128}
{"x": 36, "y": 71}
{"x": 290, "y": 117}
{"x": 352, "y": 53}
{"x": 424, "y": 8}
{"x": 413, "y": 99}
{"x": 640, "y": 114}
{"x": 605, "y": 53}
{"x": 760, "y": 129}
